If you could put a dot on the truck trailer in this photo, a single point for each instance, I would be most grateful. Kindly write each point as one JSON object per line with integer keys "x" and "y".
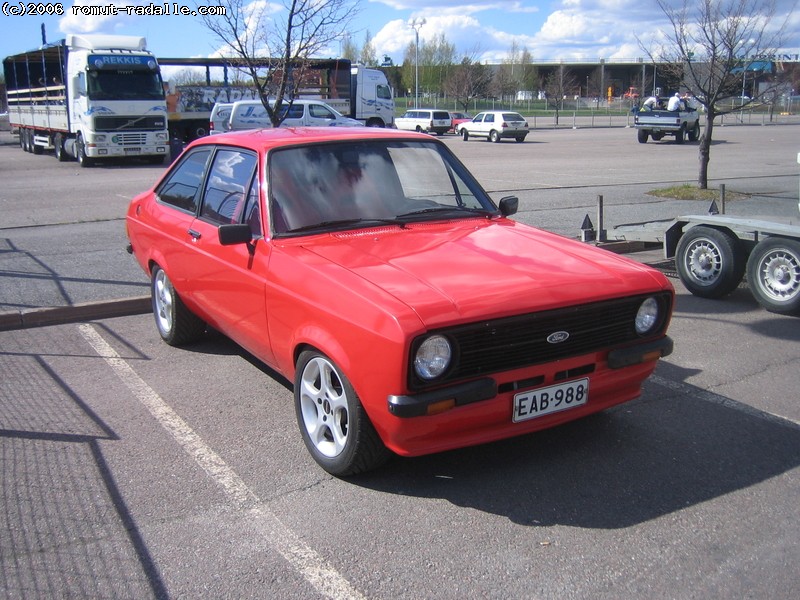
{"x": 355, "y": 91}
{"x": 89, "y": 97}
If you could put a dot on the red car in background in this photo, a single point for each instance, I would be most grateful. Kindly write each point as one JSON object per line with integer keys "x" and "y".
{"x": 458, "y": 118}
{"x": 371, "y": 269}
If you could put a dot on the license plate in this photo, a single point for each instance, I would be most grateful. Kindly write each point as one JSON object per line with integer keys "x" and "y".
{"x": 549, "y": 400}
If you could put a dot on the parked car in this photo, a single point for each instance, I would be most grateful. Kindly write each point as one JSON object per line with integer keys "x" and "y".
{"x": 371, "y": 269}
{"x": 457, "y": 118}
{"x": 251, "y": 114}
{"x": 495, "y": 125}
{"x": 425, "y": 120}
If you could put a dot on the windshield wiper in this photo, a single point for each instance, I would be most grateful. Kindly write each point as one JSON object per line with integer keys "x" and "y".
{"x": 458, "y": 209}
{"x": 345, "y": 222}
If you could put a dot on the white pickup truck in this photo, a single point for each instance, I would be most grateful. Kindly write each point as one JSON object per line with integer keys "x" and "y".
{"x": 656, "y": 123}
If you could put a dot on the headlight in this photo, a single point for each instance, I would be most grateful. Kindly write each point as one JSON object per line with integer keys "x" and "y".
{"x": 100, "y": 139}
{"x": 161, "y": 136}
{"x": 647, "y": 316}
{"x": 433, "y": 357}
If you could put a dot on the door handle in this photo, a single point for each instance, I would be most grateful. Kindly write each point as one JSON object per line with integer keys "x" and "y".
{"x": 196, "y": 235}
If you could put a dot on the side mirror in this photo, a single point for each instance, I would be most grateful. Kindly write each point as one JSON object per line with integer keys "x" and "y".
{"x": 235, "y": 234}
{"x": 509, "y": 205}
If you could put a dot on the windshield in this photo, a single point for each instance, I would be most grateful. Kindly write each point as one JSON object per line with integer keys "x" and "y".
{"x": 124, "y": 85}
{"x": 369, "y": 182}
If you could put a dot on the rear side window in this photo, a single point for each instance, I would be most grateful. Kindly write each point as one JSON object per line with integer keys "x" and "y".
{"x": 181, "y": 187}
{"x": 227, "y": 185}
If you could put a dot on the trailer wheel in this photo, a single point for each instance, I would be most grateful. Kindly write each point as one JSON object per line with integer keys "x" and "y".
{"x": 773, "y": 274}
{"x": 710, "y": 262}
{"x": 642, "y": 135}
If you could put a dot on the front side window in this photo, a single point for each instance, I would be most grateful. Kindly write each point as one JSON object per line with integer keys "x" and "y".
{"x": 320, "y": 112}
{"x": 227, "y": 185}
{"x": 181, "y": 188}
{"x": 384, "y": 92}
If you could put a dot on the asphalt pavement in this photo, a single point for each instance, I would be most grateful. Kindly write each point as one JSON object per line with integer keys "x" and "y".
{"x": 47, "y": 285}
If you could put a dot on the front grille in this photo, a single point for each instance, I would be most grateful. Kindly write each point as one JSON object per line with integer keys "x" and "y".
{"x": 514, "y": 342}
{"x": 149, "y": 123}
{"x": 132, "y": 139}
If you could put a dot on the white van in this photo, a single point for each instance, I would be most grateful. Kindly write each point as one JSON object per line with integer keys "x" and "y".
{"x": 220, "y": 118}
{"x": 251, "y": 114}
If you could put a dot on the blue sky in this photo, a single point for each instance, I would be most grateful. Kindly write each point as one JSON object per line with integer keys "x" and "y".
{"x": 483, "y": 29}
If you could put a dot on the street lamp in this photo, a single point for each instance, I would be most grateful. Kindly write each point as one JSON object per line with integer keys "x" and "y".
{"x": 415, "y": 24}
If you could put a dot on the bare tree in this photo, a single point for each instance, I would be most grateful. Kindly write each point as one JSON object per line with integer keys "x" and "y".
{"x": 714, "y": 45}
{"x": 558, "y": 84}
{"x": 274, "y": 46}
{"x": 469, "y": 79}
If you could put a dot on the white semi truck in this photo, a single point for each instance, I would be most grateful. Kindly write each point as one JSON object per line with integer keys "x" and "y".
{"x": 90, "y": 97}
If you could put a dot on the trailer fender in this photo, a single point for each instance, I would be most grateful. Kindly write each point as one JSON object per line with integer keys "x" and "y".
{"x": 671, "y": 237}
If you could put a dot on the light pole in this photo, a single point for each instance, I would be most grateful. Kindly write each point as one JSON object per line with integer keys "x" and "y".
{"x": 415, "y": 24}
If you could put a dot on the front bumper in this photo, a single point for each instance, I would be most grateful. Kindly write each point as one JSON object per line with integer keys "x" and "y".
{"x": 440, "y": 400}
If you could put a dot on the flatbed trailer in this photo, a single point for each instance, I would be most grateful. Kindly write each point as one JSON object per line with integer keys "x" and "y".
{"x": 714, "y": 252}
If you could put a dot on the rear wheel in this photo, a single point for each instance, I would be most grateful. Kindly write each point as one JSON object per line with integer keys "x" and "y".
{"x": 494, "y": 136}
{"x": 773, "y": 274}
{"x": 694, "y": 132}
{"x": 176, "y": 324}
{"x": 80, "y": 153}
{"x": 464, "y": 133}
{"x": 34, "y": 148}
{"x": 334, "y": 426}
{"x": 680, "y": 136}
{"x": 710, "y": 262}
{"x": 642, "y": 136}
{"x": 58, "y": 147}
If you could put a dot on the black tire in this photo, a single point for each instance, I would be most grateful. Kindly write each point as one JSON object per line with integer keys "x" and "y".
{"x": 773, "y": 274}
{"x": 34, "y": 148}
{"x": 494, "y": 137}
{"x": 80, "y": 153}
{"x": 26, "y": 140}
{"x": 464, "y": 134}
{"x": 694, "y": 132}
{"x": 58, "y": 147}
{"x": 520, "y": 139}
{"x": 680, "y": 136}
{"x": 642, "y": 135}
{"x": 334, "y": 426}
{"x": 176, "y": 324}
{"x": 710, "y": 262}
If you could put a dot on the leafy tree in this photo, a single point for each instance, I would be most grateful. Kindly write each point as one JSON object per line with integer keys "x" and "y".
{"x": 714, "y": 46}
{"x": 368, "y": 56}
{"x": 349, "y": 49}
{"x": 286, "y": 38}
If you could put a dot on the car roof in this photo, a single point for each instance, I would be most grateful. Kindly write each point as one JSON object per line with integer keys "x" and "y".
{"x": 266, "y": 139}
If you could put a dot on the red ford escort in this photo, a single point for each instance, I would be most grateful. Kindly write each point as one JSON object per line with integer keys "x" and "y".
{"x": 413, "y": 315}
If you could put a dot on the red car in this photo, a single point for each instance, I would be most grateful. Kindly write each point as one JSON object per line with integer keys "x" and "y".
{"x": 458, "y": 118}
{"x": 369, "y": 267}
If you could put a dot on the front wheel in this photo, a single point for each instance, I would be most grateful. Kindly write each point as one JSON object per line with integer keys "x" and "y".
{"x": 335, "y": 428}
{"x": 464, "y": 133}
{"x": 710, "y": 262}
{"x": 176, "y": 324}
{"x": 773, "y": 274}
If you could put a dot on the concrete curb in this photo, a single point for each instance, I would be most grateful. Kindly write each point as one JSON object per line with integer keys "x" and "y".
{"x": 88, "y": 311}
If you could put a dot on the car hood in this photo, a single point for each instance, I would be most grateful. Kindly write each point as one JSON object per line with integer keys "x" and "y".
{"x": 472, "y": 269}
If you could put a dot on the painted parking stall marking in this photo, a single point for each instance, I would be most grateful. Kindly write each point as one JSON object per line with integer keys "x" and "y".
{"x": 314, "y": 568}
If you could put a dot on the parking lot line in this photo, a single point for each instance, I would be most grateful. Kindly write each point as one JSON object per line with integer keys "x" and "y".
{"x": 314, "y": 568}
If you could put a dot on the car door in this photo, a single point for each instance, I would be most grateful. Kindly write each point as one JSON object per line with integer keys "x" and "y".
{"x": 475, "y": 127}
{"x": 228, "y": 281}
{"x": 320, "y": 115}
